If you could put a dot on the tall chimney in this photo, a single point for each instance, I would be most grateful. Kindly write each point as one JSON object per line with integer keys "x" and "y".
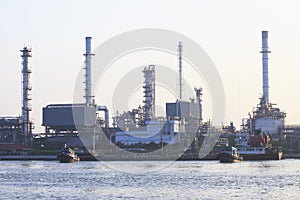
{"x": 26, "y": 96}
{"x": 265, "y": 59}
{"x": 88, "y": 79}
{"x": 180, "y": 70}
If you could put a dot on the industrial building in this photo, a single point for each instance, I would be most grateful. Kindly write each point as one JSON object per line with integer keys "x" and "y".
{"x": 65, "y": 119}
{"x": 138, "y": 126}
{"x": 265, "y": 117}
{"x": 183, "y": 109}
{"x": 11, "y": 130}
{"x": 291, "y": 135}
{"x": 16, "y": 131}
{"x": 142, "y": 126}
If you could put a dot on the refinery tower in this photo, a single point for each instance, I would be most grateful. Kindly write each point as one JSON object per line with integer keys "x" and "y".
{"x": 266, "y": 118}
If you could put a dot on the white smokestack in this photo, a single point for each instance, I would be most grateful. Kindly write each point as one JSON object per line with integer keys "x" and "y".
{"x": 88, "y": 81}
{"x": 265, "y": 59}
{"x": 180, "y": 70}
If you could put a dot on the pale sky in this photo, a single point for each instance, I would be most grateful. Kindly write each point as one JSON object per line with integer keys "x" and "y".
{"x": 229, "y": 31}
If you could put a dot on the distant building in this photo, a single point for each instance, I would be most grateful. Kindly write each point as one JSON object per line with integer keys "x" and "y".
{"x": 63, "y": 119}
{"x": 11, "y": 130}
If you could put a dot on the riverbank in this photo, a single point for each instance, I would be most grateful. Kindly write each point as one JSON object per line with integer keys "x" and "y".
{"x": 291, "y": 156}
{"x": 90, "y": 158}
{"x": 28, "y": 157}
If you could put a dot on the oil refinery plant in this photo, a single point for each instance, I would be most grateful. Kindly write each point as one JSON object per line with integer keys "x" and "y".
{"x": 138, "y": 126}
{"x": 138, "y": 130}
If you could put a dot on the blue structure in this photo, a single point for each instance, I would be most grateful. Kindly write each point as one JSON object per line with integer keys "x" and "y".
{"x": 59, "y": 118}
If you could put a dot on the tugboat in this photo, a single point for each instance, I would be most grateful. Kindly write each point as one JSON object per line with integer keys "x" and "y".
{"x": 229, "y": 154}
{"x": 67, "y": 155}
{"x": 258, "y": 147}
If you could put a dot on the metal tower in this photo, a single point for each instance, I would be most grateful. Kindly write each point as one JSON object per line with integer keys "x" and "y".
{"x": 265, "y": 51}
{"x": 26, "y": 95}
{"x": 149, "y": 92}
{"x": 267, "y": 118}
{"x": 180, "y": 70}
{"x": 88, "y": 79}
{"x": 199, "y": 100}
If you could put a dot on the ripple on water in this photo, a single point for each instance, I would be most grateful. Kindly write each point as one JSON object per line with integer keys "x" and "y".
{"x": 178, "y": 180}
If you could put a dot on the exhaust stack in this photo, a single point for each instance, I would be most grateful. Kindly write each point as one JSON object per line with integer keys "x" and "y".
{"x": 265, "y": 59}
{"x": 88, "y": 79}
{"x": 180, "y": 70}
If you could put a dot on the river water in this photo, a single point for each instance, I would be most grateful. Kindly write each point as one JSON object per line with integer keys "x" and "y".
{"x": 150, "y": 180}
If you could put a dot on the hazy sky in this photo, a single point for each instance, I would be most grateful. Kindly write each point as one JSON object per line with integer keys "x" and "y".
{"x": 229, "y": 31}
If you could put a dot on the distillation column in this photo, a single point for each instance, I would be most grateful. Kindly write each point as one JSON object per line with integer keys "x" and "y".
{"x": 149, "y": 92}
{"x": 26, "y": 95}
{"x": 199, "y": 100}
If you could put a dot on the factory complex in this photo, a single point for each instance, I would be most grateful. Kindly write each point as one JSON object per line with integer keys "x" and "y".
{"x": 182, "y": 133}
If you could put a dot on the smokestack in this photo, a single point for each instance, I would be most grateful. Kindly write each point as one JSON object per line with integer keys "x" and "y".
{"x": 26, "y": 96}
{"x": 265, "y": 58}
{"x": 180, "y": 69}
{"x": 88, "y": 79}
{"x": 199, "y": 100}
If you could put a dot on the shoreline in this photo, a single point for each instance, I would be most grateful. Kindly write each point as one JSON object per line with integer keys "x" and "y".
{"x": 54, "y": 157}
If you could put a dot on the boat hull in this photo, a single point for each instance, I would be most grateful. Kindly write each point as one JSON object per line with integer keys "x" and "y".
{"x": 227, "y": 158}
{"x": 266, "y": 156}
{"x": 67, "y": 159}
